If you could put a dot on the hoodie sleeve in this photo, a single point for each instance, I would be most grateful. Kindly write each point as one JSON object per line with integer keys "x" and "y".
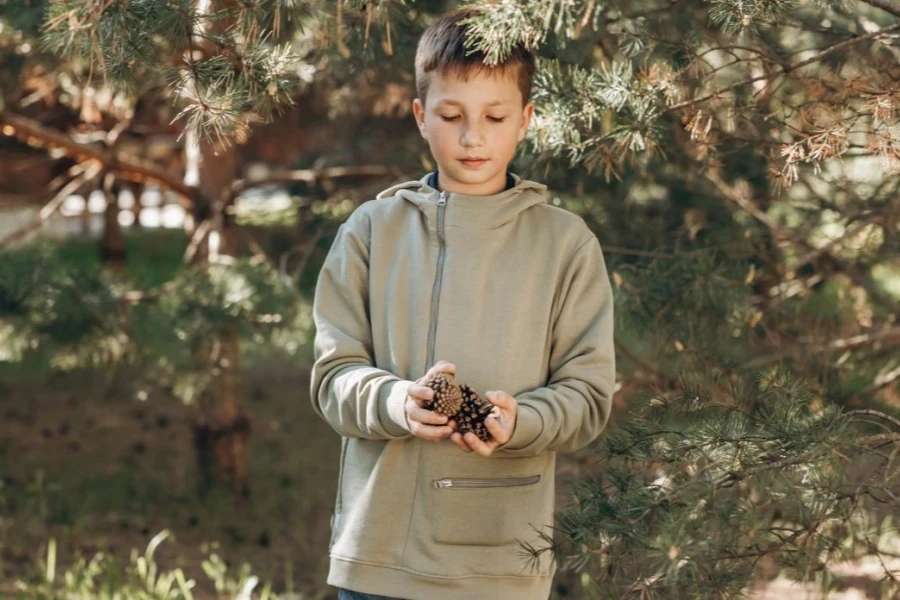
{"x": 355, "y": 398}
{"x": 574, "y": 407}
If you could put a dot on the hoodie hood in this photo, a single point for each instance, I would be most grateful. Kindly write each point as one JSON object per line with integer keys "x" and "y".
{"x": 471, "y": 212}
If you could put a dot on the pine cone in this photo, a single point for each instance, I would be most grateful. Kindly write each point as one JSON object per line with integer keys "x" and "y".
{"x": 460, "y": 403}
{"x": 473, "y": 412}
{"x": 447, "y": 397}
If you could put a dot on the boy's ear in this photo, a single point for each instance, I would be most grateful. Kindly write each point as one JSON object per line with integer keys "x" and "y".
{"x": 419, "y": 113}
{"x": 527, "y": 113}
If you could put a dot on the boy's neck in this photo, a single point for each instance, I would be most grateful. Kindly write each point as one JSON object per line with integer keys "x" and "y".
{"x": 433, "y": 181}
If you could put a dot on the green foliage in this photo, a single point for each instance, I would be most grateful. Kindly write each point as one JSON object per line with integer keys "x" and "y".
{"x": 132, "y": 47}
{"x": 498, "y": 31}
{"x": 80, "y": 316}
{"x": 101, "y": 578}
{"x": 573, "y": 106}
{"x": 780, "y": 468}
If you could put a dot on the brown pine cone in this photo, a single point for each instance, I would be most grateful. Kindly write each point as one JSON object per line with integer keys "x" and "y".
{"x": 447, "y": 397}
{"x": 460, "y": 403}
{"x": 472, "y": 413}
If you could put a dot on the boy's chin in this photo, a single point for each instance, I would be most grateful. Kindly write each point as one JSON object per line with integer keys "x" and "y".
{"x": 473, "y": 176}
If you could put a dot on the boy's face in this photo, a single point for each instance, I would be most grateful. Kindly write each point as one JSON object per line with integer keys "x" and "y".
{"x": 481, "y": 118}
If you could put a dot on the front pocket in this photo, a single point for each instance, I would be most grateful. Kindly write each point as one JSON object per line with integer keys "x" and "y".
{"x": 485, "y": 511}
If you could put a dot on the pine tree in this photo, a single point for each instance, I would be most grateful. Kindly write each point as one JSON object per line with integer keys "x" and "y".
{"x": 738, "y": 161}
{"x": 224, "y": 67}
{"x": 755, "y": 276}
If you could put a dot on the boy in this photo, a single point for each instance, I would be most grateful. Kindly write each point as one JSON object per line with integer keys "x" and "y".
{"x": 472, "y": 266}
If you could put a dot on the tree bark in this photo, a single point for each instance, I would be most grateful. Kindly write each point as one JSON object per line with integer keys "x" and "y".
{"x": 222, "y": 428}
{"x": 112, "y": 243}
{"x": 137, "y": 190}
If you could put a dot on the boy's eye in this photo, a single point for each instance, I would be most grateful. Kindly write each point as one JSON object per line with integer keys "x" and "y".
{"x": 455, "y": 117}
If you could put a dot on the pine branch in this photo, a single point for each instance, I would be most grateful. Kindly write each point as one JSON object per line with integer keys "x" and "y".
{"x": 88, "y": 172}
{"x": 677, "y": 471}
{"x": 785, "y": 69}
{"x": 644, "y": 13}
{"x": 739, "y": 195}
{"x": 651, "y": 369}
{"x": 887, "y": 335}
{"x": 310, "y": 176}
{"x": 201, "y": 230}
{"x": 126, "y": 167}
{"x": 881, "y": 382}
{"x": 884, "y": 5}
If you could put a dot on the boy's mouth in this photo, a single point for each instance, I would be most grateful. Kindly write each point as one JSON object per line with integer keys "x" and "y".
{"x": 473, "y": 162}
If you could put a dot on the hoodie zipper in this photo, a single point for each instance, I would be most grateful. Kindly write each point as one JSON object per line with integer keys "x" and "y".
{"x": 449, "y": 482}
{"x": 436, "y": 290}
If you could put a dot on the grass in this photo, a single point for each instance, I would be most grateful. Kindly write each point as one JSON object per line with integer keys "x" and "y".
{"x": 152, "y": 256}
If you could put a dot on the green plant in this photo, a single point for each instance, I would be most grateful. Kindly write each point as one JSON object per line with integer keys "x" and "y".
{"x": 100, "y": 578}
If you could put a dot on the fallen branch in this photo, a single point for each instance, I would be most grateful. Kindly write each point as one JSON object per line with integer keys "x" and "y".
{"x": 49, "y": 209}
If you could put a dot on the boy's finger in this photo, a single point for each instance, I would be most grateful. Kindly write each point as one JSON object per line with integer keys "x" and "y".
{"x": 496, "y": 429}
{"x": 420, "y": 392}
{"x": 500, "y": 399}
{"x": 457, "y": 439}
{"x": 430, "y": 432}
{"x": 428, "y": 417}
{"x": 477, "y": 445}
{"x": 441, "y": 366}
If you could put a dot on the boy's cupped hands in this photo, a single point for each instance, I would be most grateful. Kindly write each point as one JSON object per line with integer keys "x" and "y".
{"x": 431, "y": 426}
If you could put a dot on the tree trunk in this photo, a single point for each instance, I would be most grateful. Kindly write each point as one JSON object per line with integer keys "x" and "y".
{"x": 222, "y": 428}
{"x": 137, "y": 189}
{"x": 112, "y": 243}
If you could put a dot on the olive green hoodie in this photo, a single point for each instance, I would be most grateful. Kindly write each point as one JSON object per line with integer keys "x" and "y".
{"x": 514, "y": 292}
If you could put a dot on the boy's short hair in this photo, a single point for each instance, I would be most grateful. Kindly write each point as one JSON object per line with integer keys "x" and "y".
{"x": 442, "y": 48}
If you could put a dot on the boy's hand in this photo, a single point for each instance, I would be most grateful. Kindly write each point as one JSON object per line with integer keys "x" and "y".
{"x": 427, "y": 424}
{"x": 500, "y": 423}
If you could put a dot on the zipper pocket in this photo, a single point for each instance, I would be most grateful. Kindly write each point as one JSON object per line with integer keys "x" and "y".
{"x": 452, "y": 482}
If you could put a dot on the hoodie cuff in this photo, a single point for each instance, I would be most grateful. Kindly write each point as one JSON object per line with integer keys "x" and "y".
{"x": 529, "y": 425}
{"x": 392, "y": 409}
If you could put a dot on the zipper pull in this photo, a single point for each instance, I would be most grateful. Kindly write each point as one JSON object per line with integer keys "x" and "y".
{"x": 442, "y": 199}
{"x": 443, "y": 483}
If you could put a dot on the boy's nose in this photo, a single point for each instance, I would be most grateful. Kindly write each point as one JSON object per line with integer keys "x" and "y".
{"x": 472, "y": 136}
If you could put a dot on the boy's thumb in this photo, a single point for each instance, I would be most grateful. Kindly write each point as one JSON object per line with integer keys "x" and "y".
{"x": 443, "y": 365}
{"x": 498, "y": 398}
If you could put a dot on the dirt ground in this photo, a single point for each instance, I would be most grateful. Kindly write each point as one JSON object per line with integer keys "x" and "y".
{"x": 84, "y": 461}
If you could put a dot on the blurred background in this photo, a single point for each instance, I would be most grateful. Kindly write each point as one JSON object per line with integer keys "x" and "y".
{"x": 172, "y": 175}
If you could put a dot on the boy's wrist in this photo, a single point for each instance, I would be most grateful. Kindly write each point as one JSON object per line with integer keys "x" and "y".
{"x": 392, "y": 408}
{"x": 527, "y": 429}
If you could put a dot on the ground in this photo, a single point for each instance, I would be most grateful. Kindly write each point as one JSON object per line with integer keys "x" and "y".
{"x": 85, "y": 463}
